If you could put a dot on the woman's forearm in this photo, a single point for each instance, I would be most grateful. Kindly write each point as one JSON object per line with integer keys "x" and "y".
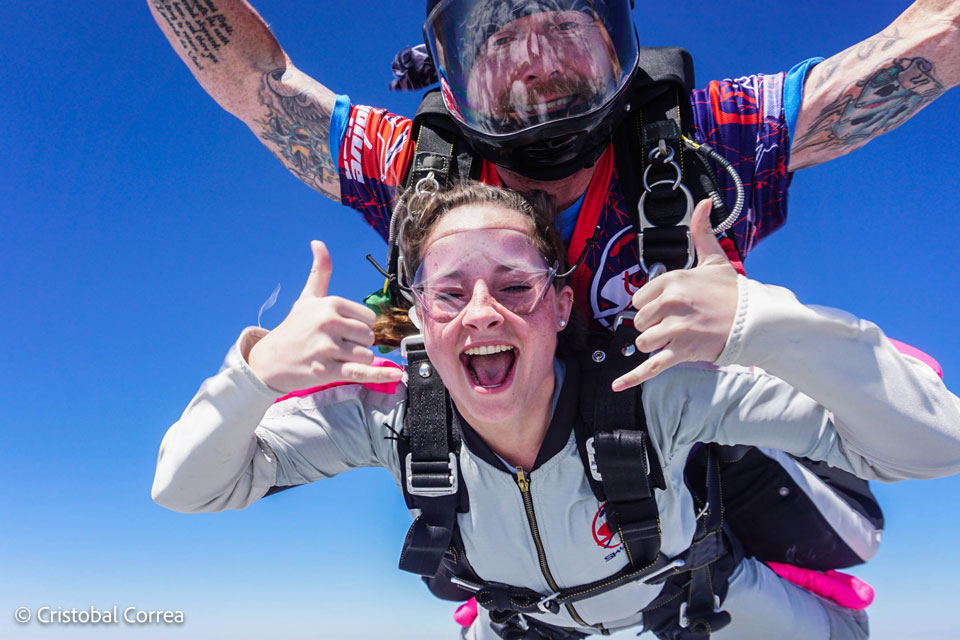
{"x": 210, "y": 459}
{"x": 892, "y": 411}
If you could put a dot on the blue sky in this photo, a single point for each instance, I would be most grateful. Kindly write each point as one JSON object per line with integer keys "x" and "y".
{"x": 142, "y": 227}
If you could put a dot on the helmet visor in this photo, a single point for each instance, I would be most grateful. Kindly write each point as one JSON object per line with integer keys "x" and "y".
{"x": 508, "y": 65}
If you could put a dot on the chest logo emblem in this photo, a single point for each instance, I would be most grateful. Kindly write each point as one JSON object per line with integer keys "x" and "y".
{"x": 601, "y": 530}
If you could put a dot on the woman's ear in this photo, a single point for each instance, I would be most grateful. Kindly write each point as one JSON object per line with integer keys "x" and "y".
{"x": 564, "y": 306}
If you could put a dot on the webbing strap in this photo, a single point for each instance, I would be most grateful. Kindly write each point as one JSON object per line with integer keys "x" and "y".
{"x": 702, "y": 614}
{"x": 440, "y": 154}
{"x": 660, "y": 178}
{"x": 513, "y": 626}
{"x": 433, "y": 154}
{"x": 439, "y": 147}
{"x": 620, "y": 458}
{"x": 429, "y": 467}
{"x": 502, "y": 597}
{"x": 670, "y": 246}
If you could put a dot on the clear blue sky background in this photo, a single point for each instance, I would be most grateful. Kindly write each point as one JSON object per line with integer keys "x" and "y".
{"x": 142, "y": 227}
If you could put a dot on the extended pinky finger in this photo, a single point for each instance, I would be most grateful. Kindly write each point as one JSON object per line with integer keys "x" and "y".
{"x": 653, "y": 366}
{"x": 365, "y": 373}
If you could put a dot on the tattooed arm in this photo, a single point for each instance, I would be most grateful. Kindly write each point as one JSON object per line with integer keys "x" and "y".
{"x": 877, "y": 85}
{"x": 235, "y": 58}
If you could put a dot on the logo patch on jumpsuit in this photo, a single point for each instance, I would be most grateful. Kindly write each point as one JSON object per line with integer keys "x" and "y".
{"x": 602, "y": 534}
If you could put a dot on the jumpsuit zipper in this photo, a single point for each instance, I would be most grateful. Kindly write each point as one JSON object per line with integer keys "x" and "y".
{"x": 524, "y": 484}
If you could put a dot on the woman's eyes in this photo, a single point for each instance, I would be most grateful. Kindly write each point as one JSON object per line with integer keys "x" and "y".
{"x": 517, "y": 288}
{"x": 449, "y": 294}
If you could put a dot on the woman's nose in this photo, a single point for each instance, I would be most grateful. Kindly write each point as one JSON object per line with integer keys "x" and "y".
{"x": 481, "y": 311}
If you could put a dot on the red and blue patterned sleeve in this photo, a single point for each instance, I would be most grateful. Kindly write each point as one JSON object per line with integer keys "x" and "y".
{"x": 373, "y": 157}
{"x": 744, "y": 120}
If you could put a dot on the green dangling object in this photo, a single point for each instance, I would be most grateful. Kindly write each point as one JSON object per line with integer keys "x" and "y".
{"x": 377, "y": 302}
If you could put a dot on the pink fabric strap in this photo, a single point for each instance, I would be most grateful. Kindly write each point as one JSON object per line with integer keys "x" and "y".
{"x": 381, "y": 387}
{"x": 907, "y": 350}
{"x": 842, "y": 588}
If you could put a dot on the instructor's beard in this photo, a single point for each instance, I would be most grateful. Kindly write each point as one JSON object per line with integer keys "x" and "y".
{"x": 582, "y": 94}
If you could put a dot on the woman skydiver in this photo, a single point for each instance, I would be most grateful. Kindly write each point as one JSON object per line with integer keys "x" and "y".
{"x": 481, "y": 264}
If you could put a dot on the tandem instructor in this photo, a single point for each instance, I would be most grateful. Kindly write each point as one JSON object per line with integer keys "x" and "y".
{"x": 93, "y": 616}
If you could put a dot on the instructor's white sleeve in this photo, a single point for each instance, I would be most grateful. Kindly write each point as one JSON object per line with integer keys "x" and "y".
{"x": 832, "y": 387}
{"x": 232, "y": 443}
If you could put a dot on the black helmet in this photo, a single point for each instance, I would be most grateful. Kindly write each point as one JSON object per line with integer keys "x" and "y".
{"x": 537, "y": 86}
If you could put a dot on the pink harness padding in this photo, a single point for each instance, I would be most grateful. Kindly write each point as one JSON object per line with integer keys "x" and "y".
{"x": 907, "y": 350}
{"x": 382, "y": 387}
{"x": 842, "y": 588}
{"x": 466, "y": 613}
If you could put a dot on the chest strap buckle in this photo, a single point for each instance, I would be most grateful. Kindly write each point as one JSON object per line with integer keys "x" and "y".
{"x": 432, "y": 478}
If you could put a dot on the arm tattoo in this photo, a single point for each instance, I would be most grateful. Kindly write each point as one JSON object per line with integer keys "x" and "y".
{"x": 300, "y": 128}
{"x": 880, "y": 42}
{"x": 880, "y": 103}
{"x": 199, "y": 26}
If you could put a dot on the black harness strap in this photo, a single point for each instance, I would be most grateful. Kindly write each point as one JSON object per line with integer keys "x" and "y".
{"x": 429, "y": 465}
{"x": 440, "y": 155}
{"x": 688, "y": 607}
{"x": 702, "y": 614}
{"x": 502, "y": 597}
{"x": 661, "y": 180}
{"x": 618, "y": 457}
{"x": 623, "y": 469}
{"x": 621, "y": 464}
{"x": 513, "y": 626}
{"x": 505, "y": 600}
{"x": 439, "y": 146}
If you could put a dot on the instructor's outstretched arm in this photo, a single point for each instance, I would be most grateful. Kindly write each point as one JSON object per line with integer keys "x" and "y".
{"x": 877, "y": 85}
{"x": 236, "y": 59}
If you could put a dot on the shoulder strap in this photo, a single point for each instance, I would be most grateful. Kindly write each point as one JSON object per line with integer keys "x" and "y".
{"x": 429, "y": 464}
{"x": 660, "y": 177}
{"x": 620, "y": 463}
{"x": 440, "y": 156}
{"x": 439, "y": 146}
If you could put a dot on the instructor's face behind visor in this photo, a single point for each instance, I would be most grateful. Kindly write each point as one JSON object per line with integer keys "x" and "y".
{"x": 509, "y": 65}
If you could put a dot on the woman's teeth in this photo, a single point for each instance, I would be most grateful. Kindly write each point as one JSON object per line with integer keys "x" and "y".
{"x": 487, "y": 350}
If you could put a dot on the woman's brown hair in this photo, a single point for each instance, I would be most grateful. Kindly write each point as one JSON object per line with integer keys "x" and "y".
{"x": 417, "y": 213}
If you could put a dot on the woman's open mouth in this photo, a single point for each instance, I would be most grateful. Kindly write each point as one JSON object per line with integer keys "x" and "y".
{"x": 490, "y": 367}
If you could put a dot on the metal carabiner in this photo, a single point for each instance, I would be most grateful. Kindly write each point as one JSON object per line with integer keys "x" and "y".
{"x": 427, "y": 182}
{"x": 684, "y": 222}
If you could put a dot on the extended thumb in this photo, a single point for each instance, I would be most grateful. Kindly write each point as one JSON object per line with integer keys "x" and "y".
{"x": 708, "y": 247}
{"x": 319, "y": 278}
